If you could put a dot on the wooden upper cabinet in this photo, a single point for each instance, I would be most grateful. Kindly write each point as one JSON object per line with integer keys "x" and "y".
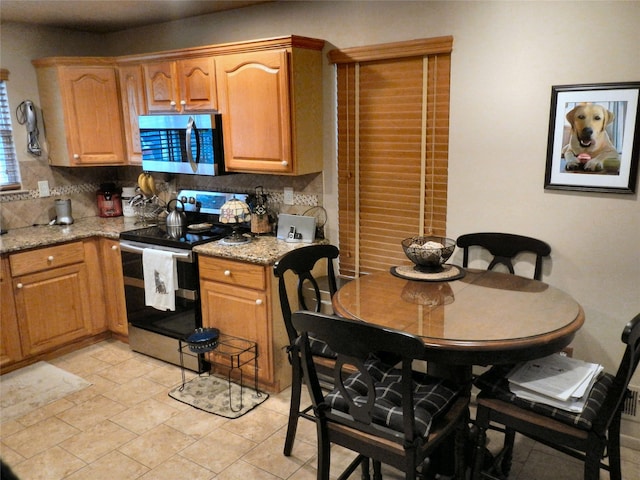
{"x": 181, "y": 86}
{"x": 271, "y": 105}
{"x": 81, "y": 108}
{"x": 133, "y": 105}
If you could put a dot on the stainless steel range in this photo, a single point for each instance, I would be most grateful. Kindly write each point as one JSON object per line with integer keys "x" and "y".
{"x": 156, "y": 332}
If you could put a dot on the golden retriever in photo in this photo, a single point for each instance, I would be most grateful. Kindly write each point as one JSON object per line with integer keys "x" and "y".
{"x": 590, "y": 145}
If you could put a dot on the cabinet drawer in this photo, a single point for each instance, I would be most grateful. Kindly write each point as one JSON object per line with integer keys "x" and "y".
{"x": 44, "y": 258}
{"x": 233, "y": 273}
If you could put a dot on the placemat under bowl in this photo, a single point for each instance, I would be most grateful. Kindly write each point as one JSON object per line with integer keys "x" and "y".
{"x": 448, "y": 273}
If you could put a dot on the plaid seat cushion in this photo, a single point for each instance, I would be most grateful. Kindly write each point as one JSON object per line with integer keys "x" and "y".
{"x": 320, "y": 348}
{"x": 431, "y": 396}
{"x": 494, "y": 383}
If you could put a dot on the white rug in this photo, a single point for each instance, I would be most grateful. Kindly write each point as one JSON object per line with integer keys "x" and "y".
{"x": 34, "y": 386}
{"x": 211, "y": 394}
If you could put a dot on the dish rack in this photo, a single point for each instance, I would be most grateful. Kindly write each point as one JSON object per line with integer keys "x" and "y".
{"x": 147, "y": 210}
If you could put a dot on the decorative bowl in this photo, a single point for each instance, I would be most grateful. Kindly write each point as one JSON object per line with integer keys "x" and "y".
{"x": 428, "y": 253}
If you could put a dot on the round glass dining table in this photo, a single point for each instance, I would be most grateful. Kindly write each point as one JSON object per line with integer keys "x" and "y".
{"x": 483, "y": 318}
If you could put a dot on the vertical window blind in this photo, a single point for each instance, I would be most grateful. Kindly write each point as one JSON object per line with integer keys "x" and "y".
{"x": 393, "y": 137}
{"x": 9, "y": 168}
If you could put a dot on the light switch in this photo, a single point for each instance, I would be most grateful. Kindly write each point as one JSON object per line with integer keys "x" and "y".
{"x": 288, "y": 196}
{"x": 43, "y": 188}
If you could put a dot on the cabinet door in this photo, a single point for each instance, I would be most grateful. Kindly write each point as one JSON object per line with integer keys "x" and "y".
{"x": 161, "y": 87}
{"x": 53, "y": 307}
{"x": 133, "y": 105}
{"x": 10, "y": 350}
{"x": 114, "y": 286}
{"x": 197, "y": 84}
{"x": 92, "y": 115}
{"x": 240, "y": 312}
{"x": 253, "y": 93}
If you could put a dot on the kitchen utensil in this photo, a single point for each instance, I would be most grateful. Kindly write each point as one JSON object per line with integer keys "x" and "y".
{"x": 176, "y": 219}
{"x": 259, "y": 216}
{"x": 63, "y": 212}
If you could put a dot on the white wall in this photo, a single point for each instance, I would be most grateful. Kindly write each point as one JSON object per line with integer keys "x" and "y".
{"x": 506, "y": 57}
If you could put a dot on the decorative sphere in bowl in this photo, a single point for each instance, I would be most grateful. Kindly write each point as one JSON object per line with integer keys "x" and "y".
{"x": 428, "y": 253}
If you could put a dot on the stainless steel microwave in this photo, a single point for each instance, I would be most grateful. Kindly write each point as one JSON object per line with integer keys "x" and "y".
{"x": 188, "y": 144}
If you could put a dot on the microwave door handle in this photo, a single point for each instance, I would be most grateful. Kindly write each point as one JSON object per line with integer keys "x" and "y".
{"x": 191, "y": 126}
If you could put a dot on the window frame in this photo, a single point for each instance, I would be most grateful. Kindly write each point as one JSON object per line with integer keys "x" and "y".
{"x": 365, "y": 248}
{"x": 9, "y": 161}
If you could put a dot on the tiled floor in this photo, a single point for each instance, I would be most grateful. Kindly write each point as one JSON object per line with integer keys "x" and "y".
{"x": 125, "y": 426}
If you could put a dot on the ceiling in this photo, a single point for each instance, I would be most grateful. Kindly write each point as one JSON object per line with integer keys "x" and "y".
{"x": 104, "y": 16}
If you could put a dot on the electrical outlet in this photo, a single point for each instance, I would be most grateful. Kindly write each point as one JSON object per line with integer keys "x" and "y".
{"x": 43, "y": 188}
{"x": 288, "y": 196}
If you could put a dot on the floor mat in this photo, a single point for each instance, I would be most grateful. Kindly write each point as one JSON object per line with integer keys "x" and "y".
{"x": 34, "y": 386}
{"x": 211, "y": 394}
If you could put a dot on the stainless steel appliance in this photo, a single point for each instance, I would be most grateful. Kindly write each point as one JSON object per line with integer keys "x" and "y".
{"x": 63, "y": 211}
{"x": 156, "y": 332}
{"x": 188, "y": 144}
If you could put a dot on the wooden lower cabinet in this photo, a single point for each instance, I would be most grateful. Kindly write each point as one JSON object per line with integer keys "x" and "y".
{"x": 115, "y": 306}
{"x": 10, "y": 350}
{"x": 238, "y": 299}
{"x": 57, "y": 297}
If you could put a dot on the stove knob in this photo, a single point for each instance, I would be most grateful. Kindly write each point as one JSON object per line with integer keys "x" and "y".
{"x": 192, "y": 200}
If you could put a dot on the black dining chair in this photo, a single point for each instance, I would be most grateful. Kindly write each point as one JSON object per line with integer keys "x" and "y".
{"x": 504, "y": 247}
{"x": 300, "y": 267}
{"x": 587, "y": 436}
{"x": 390, "y": 414}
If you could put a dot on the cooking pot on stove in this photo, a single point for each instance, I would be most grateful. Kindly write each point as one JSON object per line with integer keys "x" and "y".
{"x": 176, "y": 219}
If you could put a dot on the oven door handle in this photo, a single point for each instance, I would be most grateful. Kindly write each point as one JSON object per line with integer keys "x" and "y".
{"x": 127, "y": 247}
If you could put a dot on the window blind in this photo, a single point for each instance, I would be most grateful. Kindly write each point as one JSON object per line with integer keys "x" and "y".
{"x": 393, "y": 137}
{"x": 9, "y": 168}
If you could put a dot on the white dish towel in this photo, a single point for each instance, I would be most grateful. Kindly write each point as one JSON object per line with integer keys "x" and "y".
{"x": 160, "y": 279}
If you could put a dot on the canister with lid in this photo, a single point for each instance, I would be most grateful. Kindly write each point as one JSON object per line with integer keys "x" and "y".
{"x": 128, "y": 193}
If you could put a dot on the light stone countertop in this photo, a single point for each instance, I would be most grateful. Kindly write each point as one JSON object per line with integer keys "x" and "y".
{"x": 263, "y": 250}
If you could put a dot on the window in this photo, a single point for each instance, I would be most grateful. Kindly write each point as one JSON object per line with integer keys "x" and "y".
{"x": 393, "y": 138}
{"x": 9, "y": 168}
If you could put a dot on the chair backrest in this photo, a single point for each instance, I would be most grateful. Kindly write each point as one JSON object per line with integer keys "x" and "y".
{"x": 301, "y": 262}
{"x": 504, "y": 247}
{"x": 616, "y": 395}
{"x": 355, "y": 342}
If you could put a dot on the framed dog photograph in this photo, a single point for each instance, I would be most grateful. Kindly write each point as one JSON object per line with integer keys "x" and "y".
{"x": 594, "y": 138}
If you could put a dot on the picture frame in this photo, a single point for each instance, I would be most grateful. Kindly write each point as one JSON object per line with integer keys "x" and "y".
{"x": 594, "y": 138}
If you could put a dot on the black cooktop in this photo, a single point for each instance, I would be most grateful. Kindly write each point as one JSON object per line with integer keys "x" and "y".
{"x": 157, "y": 235}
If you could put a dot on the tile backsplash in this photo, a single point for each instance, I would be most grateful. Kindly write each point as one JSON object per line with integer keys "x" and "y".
{"x": 26, "y": 208}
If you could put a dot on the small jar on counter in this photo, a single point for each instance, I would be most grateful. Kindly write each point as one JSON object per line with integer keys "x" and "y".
{"x": 127, "y": 195}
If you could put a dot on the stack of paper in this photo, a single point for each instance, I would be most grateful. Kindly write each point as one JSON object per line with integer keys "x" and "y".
{"x": 556, "y": 380}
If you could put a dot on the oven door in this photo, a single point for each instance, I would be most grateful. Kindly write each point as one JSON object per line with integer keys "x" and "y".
{"x": 156, "y": 332}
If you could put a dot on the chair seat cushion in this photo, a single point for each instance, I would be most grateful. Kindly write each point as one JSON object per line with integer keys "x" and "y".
{"x": 320, "y": 348}
{"x": 431, "y": 396}
{"x": 494, "y": 383}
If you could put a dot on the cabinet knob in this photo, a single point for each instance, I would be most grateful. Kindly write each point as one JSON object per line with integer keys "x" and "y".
{"x": 285, "y": 163}
{"x": 19, "y": 285}
{"x": 172, "y": 103}
{"x": 183, "y": 102}
{"x": 114, "y": 247}
{"x": 227, "y": 273}
{"x": 259, "y": 301}
{"x": 76, "y": 156}
{"x": 50, "y": 258}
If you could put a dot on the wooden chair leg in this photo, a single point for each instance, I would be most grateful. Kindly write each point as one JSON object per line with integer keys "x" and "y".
{"x": 615, "y": 472}
{"x": 478, "y": 460}
{"x": 294, "y": 406}
{"x": 505, "y": 458}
